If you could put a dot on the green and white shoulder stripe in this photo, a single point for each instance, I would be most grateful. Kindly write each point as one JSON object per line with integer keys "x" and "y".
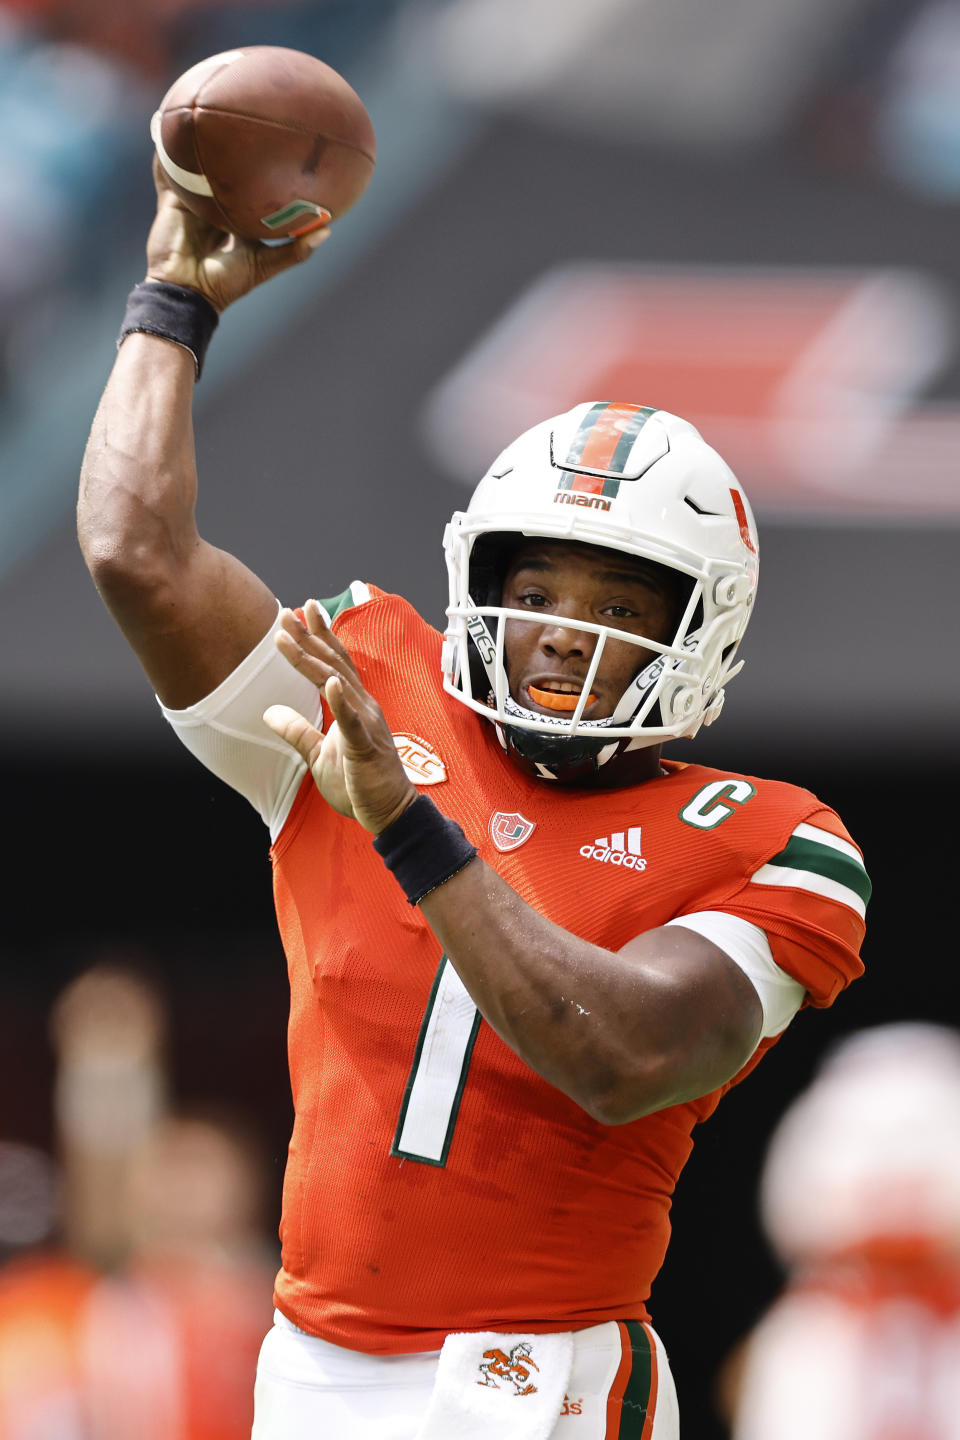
{"x": 822, "y": 863}
{"x": 356, "y": 593}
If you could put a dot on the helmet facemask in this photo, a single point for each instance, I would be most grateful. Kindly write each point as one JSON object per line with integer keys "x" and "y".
{"x": 679, "y": 681}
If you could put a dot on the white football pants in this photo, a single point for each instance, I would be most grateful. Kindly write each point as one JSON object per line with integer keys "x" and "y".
{"x": 308, "y": 1389}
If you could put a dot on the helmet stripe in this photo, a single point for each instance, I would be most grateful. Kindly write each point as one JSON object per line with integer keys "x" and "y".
{"x": 588, "y": 484}
{"x": 603, "y": 441}
{"x": 575, "y": 453}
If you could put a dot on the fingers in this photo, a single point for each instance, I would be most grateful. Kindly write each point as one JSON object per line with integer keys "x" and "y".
{"x": 313, "y": 647}
{"x": 352, "y": 721}
{"x": 303, "y": 737}
{"x": 317, "y": 625}
{"x": 314, "y": 651}
{"x": 315, "y": 618}
{"x": 270, "y": 260}
{"x": 298, "y": 733}
{"x": 248, "y": 262}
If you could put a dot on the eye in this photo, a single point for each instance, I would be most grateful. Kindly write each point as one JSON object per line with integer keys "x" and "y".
{"x": 533, "y": 599}
{"x": 621, "y": 612}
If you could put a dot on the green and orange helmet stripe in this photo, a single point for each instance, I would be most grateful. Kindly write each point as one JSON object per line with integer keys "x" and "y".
{"x": 603, "y": 441}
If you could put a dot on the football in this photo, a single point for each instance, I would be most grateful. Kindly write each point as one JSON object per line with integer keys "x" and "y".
{"x": 264, "y": 142}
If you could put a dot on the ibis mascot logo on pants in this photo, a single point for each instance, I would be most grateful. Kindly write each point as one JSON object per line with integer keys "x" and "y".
{"x": 513, "y": 1369}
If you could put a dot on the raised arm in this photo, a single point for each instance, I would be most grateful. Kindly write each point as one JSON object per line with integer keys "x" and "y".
{"x": 191, "y": 612}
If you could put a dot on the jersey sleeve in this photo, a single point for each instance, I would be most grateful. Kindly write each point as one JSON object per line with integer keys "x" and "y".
{"x": 810, "y": 899}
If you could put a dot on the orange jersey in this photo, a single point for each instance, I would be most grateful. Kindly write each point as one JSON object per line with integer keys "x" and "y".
{"x": 517, "y": 1212}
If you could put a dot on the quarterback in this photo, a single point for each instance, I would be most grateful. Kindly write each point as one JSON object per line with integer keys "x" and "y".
{"x": 527, "y": 954}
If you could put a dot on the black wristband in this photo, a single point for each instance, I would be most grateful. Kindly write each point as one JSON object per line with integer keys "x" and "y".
{"x": 174, "y": 313}
{"x": 423, "y": 849}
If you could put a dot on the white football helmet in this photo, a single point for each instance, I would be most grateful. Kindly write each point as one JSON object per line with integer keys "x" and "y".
{"x": 637, "y": 480}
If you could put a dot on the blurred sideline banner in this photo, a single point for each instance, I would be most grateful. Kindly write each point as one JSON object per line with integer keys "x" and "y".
{"x": 809, "y": 382}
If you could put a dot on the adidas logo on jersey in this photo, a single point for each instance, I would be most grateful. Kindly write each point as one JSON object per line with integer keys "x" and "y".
{"x": 617, "y": 849}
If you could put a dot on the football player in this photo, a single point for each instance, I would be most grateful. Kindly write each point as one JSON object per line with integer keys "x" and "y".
{"x": 527, "y": 954}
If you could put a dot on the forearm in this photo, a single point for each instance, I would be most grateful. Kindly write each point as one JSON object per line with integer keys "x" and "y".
{"x": 604, "y": 1027}
{"x": 138, "y": 481}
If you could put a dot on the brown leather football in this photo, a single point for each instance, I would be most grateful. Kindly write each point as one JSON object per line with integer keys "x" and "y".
{"x": 265, "y": 142}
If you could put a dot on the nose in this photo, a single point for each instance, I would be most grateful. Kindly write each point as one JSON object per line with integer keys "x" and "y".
{"x": 566, "y": 641}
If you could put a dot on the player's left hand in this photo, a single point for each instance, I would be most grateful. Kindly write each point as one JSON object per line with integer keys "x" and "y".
{"x": 355, "y": 764}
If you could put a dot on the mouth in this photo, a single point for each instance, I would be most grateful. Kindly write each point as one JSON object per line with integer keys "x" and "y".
{"x": 563, "y": 695}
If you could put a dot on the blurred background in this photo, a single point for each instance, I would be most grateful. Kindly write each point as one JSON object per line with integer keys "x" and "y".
{"x": 743, "y": 212}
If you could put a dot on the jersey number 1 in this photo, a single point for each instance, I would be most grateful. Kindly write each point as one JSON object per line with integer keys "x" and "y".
{"x": 439, "y": 1071}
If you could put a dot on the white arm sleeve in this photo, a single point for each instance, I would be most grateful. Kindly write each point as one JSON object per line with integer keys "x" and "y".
{"x": 780, "y": 995}
{"x": 225, "y": 730}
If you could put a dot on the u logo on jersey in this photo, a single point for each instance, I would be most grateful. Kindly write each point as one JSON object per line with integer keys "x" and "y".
{"x": 510, "y": 831}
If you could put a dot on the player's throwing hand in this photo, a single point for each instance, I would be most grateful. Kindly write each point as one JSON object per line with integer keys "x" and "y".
{"x": 355, "y": 764}
{"x": 184, "y": 250}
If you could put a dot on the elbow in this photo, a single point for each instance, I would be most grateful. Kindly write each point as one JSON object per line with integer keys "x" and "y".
{"x": 131, "y": 538}
{"x": 118, "y": 566}
{"x": 611, "y": 1114}
{"x": 130, "y": 552}
{"x": 626, "y": 1093}
{"x": 622, "y": 1107}
{"x": 131, "y": 576}
{"x": 669, "y": 1078}
{"x": 629, "y": 1087}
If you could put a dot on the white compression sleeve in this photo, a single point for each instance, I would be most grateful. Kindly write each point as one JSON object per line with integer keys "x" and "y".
{"x": 780, "y": 995}
{"x": 225, "y": 730}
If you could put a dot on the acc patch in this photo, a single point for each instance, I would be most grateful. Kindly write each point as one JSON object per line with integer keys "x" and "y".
{"x": 421, "y": 764}
{"x": 510, "y": 831}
